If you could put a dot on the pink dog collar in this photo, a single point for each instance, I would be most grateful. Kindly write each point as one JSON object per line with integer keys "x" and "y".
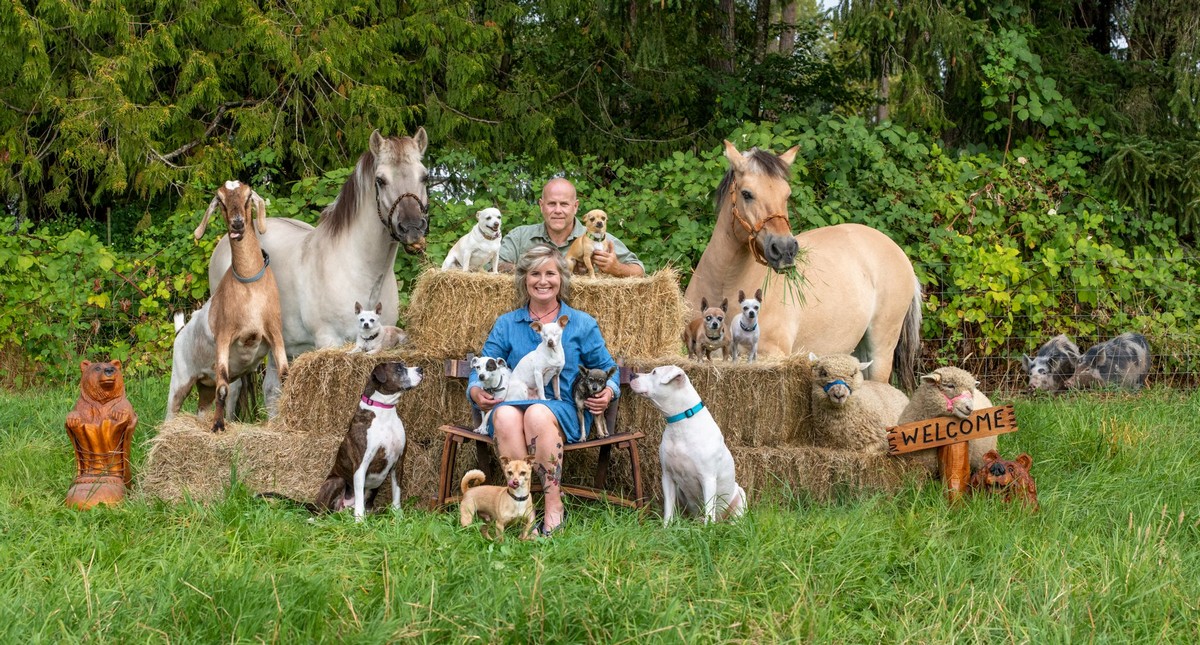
{"x": 950, "y": 402}
{"x": 376, "y": 404}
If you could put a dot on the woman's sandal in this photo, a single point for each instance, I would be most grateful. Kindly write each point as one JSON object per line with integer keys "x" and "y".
{"x": 544, "y": 532}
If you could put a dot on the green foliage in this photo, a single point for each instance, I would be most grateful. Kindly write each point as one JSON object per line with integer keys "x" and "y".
{"x": 1111, "y": 556}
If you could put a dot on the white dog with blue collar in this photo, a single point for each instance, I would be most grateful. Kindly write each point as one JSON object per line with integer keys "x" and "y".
{"x": 697, "y": 467}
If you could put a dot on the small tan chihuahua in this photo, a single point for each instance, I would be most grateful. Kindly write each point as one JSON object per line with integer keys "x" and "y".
{"x": 499, "y": 505}
{"x": 581, "y": 249}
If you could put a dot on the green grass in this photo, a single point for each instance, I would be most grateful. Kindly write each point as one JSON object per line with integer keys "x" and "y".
{"x": 1114, "y": 555}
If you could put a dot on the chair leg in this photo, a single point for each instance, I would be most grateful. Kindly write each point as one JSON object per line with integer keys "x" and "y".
{"x": 602, "y": 466}
{"x": 635, "y": 467}
{"x": 449, "y": 459}
{"x": 483, "y": 459}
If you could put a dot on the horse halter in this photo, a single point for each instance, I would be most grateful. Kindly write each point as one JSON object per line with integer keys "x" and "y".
{"x": 386, "y": 221}
{"x": 751, "y": 231}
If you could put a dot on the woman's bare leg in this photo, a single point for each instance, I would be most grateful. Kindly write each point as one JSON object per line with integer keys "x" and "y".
{"x": 545, "y": 440}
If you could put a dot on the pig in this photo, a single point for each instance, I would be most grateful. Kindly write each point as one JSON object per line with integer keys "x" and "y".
{"x": 1054, "y": 363}
{"x": 1123, "y": 361}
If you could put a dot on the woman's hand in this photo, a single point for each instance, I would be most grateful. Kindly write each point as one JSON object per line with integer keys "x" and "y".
{"x": 599, "y": 403}
{"x": 483, "y": 399}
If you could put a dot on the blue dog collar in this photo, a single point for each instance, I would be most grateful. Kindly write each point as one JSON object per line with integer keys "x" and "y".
{"x": 686, "y": 414}
{"x": 833, "y": 383}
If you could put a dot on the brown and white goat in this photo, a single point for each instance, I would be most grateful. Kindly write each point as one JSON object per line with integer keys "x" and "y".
{"x": 244, "y": 310}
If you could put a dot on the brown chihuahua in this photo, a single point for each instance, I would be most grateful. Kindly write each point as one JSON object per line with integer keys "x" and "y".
{"x": 499, "y": 505}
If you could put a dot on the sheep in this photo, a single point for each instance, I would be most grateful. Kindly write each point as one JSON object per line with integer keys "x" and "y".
{"x": 192, "y": 358}
{"x": 244, "y": 312}
{"x": 849, "y": 412}
{"x": 939, "y": 396}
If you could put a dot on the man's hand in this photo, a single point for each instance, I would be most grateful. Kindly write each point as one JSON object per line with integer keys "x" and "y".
{"x": 605, "y": 260}
{"x": 599, "y": 403}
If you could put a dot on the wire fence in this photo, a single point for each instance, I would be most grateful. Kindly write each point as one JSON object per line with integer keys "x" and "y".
{"x": 1085, "y": 308}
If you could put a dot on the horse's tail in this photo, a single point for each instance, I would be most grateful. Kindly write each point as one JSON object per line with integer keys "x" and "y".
{"x": 904, "y": 359}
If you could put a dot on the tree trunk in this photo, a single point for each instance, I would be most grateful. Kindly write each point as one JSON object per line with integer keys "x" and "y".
{"x": 787, "y": 37}
{"x": 885, "y": 89}
{"x": 728, "y": 24}
{"x": 762, "y": 24}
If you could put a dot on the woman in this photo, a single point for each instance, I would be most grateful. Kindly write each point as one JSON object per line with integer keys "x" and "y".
{"x": 543, "y": 287}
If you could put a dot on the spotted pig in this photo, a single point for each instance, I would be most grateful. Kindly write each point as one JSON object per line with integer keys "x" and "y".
{"x": 1123, "y": 362}
{"x": 1054, "y": 363}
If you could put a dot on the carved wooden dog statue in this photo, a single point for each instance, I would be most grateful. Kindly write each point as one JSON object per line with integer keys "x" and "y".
{"x": 101, "y": 429}
{"x": 1008, "y": 478}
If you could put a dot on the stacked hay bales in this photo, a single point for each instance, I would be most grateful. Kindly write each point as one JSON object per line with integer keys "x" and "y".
{"x": 763, "y": 408}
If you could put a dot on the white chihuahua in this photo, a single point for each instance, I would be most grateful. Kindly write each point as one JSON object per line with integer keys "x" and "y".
{"x": 697, "y": 467}
{"x": 745, "y": 327}
{"x": 544, "y": 363}
{"x": 480, "y": 246}
{"x": 372, "y": 336}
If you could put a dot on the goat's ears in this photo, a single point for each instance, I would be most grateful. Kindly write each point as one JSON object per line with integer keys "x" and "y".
{"x": 212, "y": 206}
{"x": 260, "y": 207}
{"x": 789, "y": 156}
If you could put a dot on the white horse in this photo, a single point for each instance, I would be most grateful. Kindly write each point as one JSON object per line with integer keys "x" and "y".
{"x": 350, "y": 255}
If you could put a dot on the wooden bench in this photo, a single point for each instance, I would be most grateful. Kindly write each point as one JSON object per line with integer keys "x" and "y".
{"x": 457, "y": 436}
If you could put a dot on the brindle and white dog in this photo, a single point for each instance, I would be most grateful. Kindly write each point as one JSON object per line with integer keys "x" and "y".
{"x": 373, "y": 449}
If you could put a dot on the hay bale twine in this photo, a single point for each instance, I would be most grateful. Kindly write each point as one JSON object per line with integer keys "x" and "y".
{"x": 451, "y": 312}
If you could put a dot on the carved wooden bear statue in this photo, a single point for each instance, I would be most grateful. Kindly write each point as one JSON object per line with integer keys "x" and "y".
{"x": 101, "y": 429}
{"x": 1008, "y": 478}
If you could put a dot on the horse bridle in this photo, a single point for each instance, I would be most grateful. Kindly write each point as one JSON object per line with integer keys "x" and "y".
{"x": 751, "y": 231}
{"x": 386, "y": 221}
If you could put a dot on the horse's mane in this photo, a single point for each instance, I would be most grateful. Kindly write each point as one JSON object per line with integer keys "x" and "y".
{"x": 759, "y": 161}
{"x": 338, "y": 216}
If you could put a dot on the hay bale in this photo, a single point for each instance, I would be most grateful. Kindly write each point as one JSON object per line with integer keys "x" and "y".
{"x": 756, "y": 404}
{"x": 477, "y": 299}
{"x": 822, "y": 472}
{"x": 324, "y": 386}
{"x": 187, "y": 460}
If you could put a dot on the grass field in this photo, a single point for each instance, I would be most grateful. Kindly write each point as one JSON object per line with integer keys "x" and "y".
{"x": 1114, "y": 555}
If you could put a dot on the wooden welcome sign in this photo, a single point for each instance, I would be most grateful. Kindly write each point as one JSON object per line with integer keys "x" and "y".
{"x": 943, "y": 431}
{"x": 949, "y": 435}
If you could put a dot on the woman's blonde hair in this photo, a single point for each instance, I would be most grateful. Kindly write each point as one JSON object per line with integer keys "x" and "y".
{"x": 534, "y": 257}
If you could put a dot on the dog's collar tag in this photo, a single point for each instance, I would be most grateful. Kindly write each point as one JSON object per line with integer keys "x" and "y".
{"x": 686, "y": 414}
{"x": 829, "y": 386}
{"x": 517, "y": 499}
{"x": 376, "y": 404}
{"x": 257, "y": 276}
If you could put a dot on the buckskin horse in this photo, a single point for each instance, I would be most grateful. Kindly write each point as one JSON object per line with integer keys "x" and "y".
{"x": 350, "y": 255}
{"x": 859, "y": 293}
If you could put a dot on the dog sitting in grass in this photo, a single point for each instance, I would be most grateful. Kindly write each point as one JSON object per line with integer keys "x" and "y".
{"x": 499, "y": 506}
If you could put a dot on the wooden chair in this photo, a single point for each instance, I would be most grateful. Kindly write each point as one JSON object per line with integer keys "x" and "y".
{"x": 456, "y": 436}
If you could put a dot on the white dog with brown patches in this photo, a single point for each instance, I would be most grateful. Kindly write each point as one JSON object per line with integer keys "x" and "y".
{"x": 697, "y": 467}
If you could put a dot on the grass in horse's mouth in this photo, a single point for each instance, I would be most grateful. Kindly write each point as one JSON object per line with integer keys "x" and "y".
{"x": 793, "y": 279}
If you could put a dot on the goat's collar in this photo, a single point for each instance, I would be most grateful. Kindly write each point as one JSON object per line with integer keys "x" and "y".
{"x": 377, "y": 404}
{"x": 686, "y": 414}
{"x": 257, "y": 276}
{"x": 518, "y": 499}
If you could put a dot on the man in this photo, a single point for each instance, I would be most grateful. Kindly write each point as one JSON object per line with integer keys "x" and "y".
{"x": 559, "y": 228}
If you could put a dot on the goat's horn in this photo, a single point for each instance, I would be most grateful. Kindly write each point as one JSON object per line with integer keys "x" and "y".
{"x": 212, "y": 206}
{"x": 260, "y": 205}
